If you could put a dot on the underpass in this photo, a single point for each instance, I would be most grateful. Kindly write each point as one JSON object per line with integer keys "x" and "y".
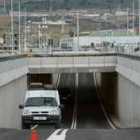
{"x": 76, "y": 115}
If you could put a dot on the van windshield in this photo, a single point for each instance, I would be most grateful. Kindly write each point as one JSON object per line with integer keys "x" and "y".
{"x": 41, "y": 101}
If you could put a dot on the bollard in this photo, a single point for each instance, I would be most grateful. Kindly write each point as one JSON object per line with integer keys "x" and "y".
{"x": 33, "y": 135}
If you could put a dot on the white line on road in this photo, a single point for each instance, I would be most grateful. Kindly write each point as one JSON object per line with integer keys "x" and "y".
{"x": 74, "y": 120}
{"x": 35, "y": 126}
{"x": 56, "y": 136}
{"x": 58, "y": 80}
{"x": 98, "y": 94}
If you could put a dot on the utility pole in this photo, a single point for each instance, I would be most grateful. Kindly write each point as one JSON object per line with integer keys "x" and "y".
{"x": 139, "y": 27}
{"x": 4, "y": 4}
{"x": 133, "y": 11}
{"x": 12, "y": 26}
{"x": 50, "y": 6}
{"x": 128, "y": 29}
{"x": 77, "y": 32}
{"x": 39, "y": 38}
{"x": 127, "y": 21}
{"x": 19, "y": 29}
{"x": 25, "y": 43}
{"x": 63, "y": 30}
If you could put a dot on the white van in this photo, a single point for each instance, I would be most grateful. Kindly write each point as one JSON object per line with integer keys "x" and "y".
{"x": 41, "y": 107}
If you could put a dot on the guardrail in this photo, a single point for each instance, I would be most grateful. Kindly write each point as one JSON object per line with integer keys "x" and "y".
{"x": 12, "y": 57}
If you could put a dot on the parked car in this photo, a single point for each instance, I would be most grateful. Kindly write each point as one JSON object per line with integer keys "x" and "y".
{"x": 41, "y": 107}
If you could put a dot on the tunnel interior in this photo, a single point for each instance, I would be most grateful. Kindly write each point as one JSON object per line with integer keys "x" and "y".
{"x": 84, "y": 110}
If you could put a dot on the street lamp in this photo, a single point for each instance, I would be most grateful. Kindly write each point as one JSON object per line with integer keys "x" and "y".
{"x": 12, "y": 27}
{"x": 139, "y": 27}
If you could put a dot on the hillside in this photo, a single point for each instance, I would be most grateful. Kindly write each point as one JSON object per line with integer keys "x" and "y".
{"x": 72, "y": 4}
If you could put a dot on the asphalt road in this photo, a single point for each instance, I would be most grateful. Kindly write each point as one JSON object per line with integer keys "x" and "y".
{"x": 90, "y": 114}
{"x": 67, "y": 81}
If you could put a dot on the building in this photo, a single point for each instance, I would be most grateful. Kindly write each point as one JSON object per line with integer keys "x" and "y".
{"x": 104, "y": 40}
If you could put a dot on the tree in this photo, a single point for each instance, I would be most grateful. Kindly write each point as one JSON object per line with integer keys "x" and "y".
{"x": 71, "y": 33}
{"x": 121, "y": 1}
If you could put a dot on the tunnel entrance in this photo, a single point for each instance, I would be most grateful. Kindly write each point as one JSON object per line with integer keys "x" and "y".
{"x": 40, "y": 78}
{"x": 80, "y": 93}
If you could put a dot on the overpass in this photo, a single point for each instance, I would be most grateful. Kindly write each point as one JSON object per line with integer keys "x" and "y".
{"x": 120, "y": 71}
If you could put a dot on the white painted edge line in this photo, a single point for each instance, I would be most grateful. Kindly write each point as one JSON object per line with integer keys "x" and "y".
{"x": 64, "y": 132}
{"x": 110, "y": 123}
{"x": 53, "y": 134}
{"x": 72, "y": 125}
{"x": 74, "y": 120}
{"x": 58, "y": 80}
{"x": 56, "y": 136}
{"x": 35, "y": 126}
{"x": 75, "y": 125}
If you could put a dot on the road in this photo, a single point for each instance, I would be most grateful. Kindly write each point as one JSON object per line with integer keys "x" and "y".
{"x": 90, "y": 114}
{"x": 82, "y": 119}
{"x": 85, "y": 112}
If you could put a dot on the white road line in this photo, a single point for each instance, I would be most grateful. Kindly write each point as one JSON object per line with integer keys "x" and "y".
{"x": 58, "y": 80}
{"x": 74, "y": 120}
{"x": 75, "y": 124}
{"x": 35, "y": 126}
{"x": 55, "y": 135}
{"x": 110, "y": 123}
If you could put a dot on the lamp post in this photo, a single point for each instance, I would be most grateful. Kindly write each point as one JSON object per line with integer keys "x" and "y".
{"x": 139, "y": 27}
{"x": 25, "y": 43}
{"x": 12, "y": 27}
{"x": 133, "y": 11}
{"x": 19, "y": 29}
{"x": 4, "y": 4}
{"x": 77, "y": 32}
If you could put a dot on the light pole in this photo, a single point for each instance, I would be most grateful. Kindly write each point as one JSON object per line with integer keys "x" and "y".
{"x": 77, "y": 32}
{"x": 4, "y": 4}
{"x": 133, "y": 11}
{"x": 25, "y": 43}
{"x": 63, "y": 23}
{"x": 139, "y": 27}
{"x": 19, "y": 29}
{"x": 12, "y": 26}
{"x": 127, "y": 21}
{"x": 128, "y": 30}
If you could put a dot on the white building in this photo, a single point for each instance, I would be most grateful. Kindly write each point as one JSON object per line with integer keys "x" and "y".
{"x": 121, "y": 13}
{"x": 97, "y": 42}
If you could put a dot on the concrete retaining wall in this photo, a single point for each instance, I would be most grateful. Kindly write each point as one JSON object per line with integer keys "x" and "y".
{"x": 11, "y": 95}
{"x": 72, "y": 64}
{"x": 120, "y": 92}
{"x": 128, "y": 102}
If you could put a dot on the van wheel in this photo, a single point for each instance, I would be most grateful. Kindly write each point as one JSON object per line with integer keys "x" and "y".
{"x": 25, "y": 126}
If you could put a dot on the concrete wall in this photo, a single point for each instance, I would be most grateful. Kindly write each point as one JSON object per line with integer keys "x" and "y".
{"x": 11, "y": 95}
{"x": 128, "y": 95}
{"x": 128, "y": 103}
{"x": 120, "y": 92}
{"x": 72, "y": 64}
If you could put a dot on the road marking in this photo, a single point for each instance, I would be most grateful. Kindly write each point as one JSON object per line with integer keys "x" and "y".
{"x": 98, "y": 94}
{"x": 58, "y": 80}
{"x": 56, "y": 136}
{"x": 35, "y": 126}
{"x": 74, "y": 120}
